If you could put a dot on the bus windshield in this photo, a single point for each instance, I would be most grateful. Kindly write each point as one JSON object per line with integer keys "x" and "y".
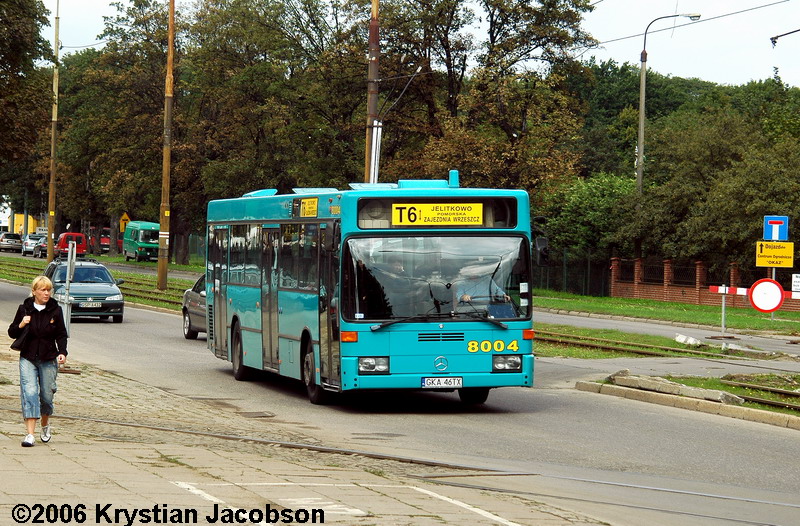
{"x": 418, "y": 277}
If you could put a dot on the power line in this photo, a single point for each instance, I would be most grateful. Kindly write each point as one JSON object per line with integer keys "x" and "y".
{"x": 639, "y": 35}
{"x": 87, "y": 45}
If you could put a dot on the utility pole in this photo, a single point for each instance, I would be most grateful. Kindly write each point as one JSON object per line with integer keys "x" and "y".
{"x": 163, "y": 234}
{"x": 51, "y": 200}
{"x": 372, "y": 89}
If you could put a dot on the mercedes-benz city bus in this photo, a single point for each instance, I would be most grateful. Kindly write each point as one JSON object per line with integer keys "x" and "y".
{"x": 415, "y": 285}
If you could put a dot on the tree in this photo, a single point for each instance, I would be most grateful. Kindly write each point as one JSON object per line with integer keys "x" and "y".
{"x": 24, "y": 94}
{"x": 588, "y": 214}
{"x": 689, "y": 154}
{"x": 273, "y": 93}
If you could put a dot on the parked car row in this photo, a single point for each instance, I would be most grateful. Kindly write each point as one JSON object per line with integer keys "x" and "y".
{"x": 36, "y": 244}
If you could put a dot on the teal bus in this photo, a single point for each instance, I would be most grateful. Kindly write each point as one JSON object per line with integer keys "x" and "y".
{"x": 418, "y": 284}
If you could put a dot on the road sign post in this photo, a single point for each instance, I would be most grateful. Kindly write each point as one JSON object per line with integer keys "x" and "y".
{"x": 724, "y": 291}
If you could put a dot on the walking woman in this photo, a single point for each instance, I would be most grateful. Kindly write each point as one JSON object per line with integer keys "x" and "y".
{"x": 43, "y": 350}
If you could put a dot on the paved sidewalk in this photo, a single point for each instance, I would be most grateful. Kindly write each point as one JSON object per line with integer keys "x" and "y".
{"x": 114, "y": 453}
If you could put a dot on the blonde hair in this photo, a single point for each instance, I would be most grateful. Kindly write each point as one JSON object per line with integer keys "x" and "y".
{"x": 41, "y": 282}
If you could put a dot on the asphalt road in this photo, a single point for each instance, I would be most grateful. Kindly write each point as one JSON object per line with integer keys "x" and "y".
{"x": 624, "y": 461}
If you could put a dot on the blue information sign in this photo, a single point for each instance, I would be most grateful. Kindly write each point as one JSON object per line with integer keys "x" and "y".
{"x": 776, "y": 228}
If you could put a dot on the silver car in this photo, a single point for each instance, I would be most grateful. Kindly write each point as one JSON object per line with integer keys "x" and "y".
{"x": 194, "y": 309}
{"x": 28, "y": 242}
{"x": 10, "y": 241}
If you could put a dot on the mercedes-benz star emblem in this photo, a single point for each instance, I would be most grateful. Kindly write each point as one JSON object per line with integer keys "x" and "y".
{"x": 440, "y": 363}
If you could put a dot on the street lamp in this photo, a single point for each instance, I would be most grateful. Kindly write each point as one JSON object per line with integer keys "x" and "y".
{"x": 640, "y": 143}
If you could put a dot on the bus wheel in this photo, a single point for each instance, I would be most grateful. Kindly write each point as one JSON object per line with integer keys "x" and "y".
{"x": 240, "y": 371}
{"x": 316, "y": 394}
{"x": 473, "y": 395}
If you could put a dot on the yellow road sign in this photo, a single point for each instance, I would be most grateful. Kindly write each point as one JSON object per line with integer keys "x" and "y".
{"x": 123, "y": 222}
{"x": 774, "y": 254}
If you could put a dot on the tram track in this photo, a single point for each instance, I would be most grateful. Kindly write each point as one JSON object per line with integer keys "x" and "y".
{"x": 621, "y": 346}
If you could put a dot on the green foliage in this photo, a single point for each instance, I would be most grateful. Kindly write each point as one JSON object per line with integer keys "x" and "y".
{"x": 272, "y": 95}
{"x": 25, "y": 96}
{"x": 588, "y": 213}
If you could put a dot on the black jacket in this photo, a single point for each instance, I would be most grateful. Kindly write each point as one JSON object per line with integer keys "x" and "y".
{"x": 47, "y": 336}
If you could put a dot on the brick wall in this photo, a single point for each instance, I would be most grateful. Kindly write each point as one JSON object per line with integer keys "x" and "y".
{"x": 668, "y": 291}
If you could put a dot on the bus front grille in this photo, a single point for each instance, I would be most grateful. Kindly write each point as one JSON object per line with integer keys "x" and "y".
{"x": 440, "y": 337}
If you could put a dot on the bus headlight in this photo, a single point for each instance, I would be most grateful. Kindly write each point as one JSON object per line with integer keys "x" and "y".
{"x": 373, "y": 365}
{"x": 506, "y": 363}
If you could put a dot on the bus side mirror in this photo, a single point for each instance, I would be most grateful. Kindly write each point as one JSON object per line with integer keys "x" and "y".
{"x": 331, "y": 237}
{"x": 542, "y": 251}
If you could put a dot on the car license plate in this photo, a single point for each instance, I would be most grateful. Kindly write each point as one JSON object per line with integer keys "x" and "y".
{"x": 449, "y": 382}
{"x": 90, "y": 304}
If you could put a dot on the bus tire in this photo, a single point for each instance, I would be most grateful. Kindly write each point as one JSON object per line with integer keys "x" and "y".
{"x": 473, "y": 395}
{"x": 316, "y": 394}
{"x": 240, "y": 370}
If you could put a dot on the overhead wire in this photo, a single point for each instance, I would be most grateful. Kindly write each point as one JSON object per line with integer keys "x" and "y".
{"x": 672, "y": 28}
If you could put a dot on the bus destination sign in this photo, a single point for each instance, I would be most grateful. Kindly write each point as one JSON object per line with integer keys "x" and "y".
{"x": 437, "y": 214}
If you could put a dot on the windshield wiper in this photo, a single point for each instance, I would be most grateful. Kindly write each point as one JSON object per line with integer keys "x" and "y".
{"x": 477, "y": 316}
{"x": 416, "y": 317}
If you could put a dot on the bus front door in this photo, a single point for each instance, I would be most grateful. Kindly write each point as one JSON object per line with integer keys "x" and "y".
{"x": 269, "y": 297}
{"x": 218, "y": 254}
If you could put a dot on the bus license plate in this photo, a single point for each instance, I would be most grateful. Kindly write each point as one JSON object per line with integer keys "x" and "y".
{"x": 90, "y": 304}
{"x": 448, "y": 382}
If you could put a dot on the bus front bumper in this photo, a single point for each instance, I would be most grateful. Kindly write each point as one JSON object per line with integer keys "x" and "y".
{"x": 351, "y": 379}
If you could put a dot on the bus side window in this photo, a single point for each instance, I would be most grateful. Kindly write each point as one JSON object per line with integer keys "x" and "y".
{"x": 289, "y": 272}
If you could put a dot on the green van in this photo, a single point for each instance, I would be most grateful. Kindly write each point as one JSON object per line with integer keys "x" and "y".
{"x": 140, "y": 241}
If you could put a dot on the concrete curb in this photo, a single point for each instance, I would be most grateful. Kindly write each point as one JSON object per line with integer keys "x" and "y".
{"x": 694, "y": 404}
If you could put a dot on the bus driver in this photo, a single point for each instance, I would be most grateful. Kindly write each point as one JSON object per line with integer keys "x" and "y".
{"x": 475, "y": 284}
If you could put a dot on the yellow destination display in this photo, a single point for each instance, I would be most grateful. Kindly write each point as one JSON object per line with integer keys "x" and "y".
{"x": 308, "y": 207}
{"x": 437, "y": 214}
{"x": 774, "y": 254}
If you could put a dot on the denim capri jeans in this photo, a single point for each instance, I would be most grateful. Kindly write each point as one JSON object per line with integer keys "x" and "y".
{"x": 37, "y": 385}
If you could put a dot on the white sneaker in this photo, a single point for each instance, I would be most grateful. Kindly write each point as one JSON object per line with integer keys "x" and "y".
{"x": 28, "y": 441}
{"x": 45, "y": 436}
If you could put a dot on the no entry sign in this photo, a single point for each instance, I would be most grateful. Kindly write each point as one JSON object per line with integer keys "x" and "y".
{"x": 766, "y": 295}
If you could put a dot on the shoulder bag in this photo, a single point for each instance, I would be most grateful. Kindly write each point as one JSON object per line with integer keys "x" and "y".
{"x": 19, "y": 343}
